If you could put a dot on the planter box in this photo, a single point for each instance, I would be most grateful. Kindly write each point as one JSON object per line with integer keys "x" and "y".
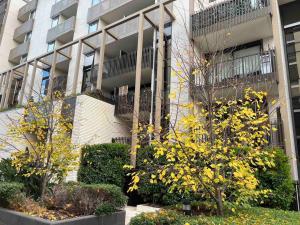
{"x": 8, "y": 217}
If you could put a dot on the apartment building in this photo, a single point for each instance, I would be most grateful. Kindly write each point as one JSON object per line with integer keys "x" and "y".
{"x": 113, "y": 60}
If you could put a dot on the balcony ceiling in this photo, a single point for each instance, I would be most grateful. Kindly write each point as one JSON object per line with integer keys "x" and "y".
{"x": 252, "y": 30}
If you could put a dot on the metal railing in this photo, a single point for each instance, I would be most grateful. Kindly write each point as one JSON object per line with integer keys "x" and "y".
{"x": 125, "y": 103}
{"x": 252, "y": 68}
{"x": 226, "y": 14}
{"x": 127, "y": 63}
{"x": 276, "y": 138}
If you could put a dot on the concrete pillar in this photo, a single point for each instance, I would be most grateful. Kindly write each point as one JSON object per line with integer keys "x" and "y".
{"x": 138, "y": 77}
{"x": 52, "y": 75}
{"x": 31, "y": 85}
{"x": 76, "y": 74}
{"x": 6, "y": 80}
{"x": 24, "y": 82}
{"x": 101, "y": 60}
{"x": 160, "y": 72}
{"x": 8, "y": 89}
{"x": 283, "y": 87}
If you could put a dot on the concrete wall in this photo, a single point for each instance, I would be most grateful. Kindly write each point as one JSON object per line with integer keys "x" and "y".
{"x": 11, "y": 23}
{"x": 95, "y": 123}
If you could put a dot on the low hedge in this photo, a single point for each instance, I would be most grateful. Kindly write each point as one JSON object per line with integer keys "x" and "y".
{"x": 104, "y": 164}
{"x": 85, "y": 199}
{"x": 8, "y": 191}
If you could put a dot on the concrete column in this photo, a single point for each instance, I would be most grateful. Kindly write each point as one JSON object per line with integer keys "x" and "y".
{"x": 101, "y": 60}
{"x": 24, "y": 82}
{"x": 76, "y": 74}
{"x": 283, "y": 87}
{"x": 138, "y": 77}
{"x": 160, "y": 72}
{"x": 52, "y": 75}
{"x": 8, "y": 89}
{"x": 31, "y": 85}
{"x": 6, "y": 80}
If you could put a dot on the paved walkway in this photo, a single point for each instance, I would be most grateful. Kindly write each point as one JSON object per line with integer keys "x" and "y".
{"x": 130, "y": 213}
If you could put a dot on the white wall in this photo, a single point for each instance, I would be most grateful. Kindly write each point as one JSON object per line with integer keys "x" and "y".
{"x": 95, "y": 123}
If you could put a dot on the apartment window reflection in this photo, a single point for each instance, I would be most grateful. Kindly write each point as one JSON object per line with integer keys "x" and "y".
{"x": 45, "y": 81}
{"x": 89, "y": 73}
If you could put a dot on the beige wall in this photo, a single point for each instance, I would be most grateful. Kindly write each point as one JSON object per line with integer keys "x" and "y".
{"x": 95, "y": 123}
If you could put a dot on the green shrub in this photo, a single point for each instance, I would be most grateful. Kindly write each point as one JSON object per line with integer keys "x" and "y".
{"x": 7, "y": 172}
{"x": 279, "y": 180}
{"x": 104, "y": 164}
{"x": 8, "y": 191}
{"x": 85, "y": 199}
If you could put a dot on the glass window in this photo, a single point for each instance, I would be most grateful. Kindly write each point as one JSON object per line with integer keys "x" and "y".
{"x": 32, "y": 15}
{"x": 95, "y": 2}
{"x": 89, "y": 59}
{"x": 45, "y": 82}
{"x": 93, "y": 27}
{"x": 55, "y": 21}
{"x": 51, "y": 46}
{"x": 28, "y": 37}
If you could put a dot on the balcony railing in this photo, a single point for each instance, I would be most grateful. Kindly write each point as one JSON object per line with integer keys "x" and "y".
{"x": 63, "y": 31}
{"x": 24, "y": 29}
{"x": 16, "y": 53}
{"x": 248, "y": 69}
{"x": 227, "y": 14}
{"x": 103, "y": 7}
{"x": 127, "y": 63}
{"x": 125, "y": 103}
{"x": 25, "y": 11}
{"x": 67, "y": 8}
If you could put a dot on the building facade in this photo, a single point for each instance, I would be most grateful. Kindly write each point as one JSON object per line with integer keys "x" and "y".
{"x": 113, "y": 60}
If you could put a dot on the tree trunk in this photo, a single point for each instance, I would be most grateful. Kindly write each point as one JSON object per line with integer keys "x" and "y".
{"x": 220, "y": 207}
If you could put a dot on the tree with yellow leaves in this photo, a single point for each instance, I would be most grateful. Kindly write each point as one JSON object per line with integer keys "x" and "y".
{"x": 41, "y": 140}
{"x": 214, "y": 151}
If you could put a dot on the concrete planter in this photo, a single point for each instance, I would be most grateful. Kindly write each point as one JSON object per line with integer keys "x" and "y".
{"x": 8, "y": 217}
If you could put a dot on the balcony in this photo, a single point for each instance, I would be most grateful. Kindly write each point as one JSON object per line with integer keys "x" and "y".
{"x": 67, "y": 8}
{"x": 25, "y": 11}
{"x": 253, "y": 70}
{"x": 24, "y": 29}
{"x": 63, "y": 32}
{"x": 16, "y": 53}
{"x": 112, "y": 10}
{"x": 125, "y": 104}
{"x": 233, "y": 17}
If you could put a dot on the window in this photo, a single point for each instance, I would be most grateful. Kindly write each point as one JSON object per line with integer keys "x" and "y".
{"x": 23, "y": 58}
{"x": 55, "y": 21}
{"x": 89, "y": 59}
{"x": 93, "y": 27}
{"x": 95, "y": 2}
{"x": 45, "y": 81}
{"x": 27, "y": 37}
{"x": 32, "y": 15}
{"x": 51, "y": 46}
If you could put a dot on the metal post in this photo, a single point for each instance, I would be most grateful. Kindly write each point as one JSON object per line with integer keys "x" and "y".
{"x": 101, "y": 61}
{"x": 136, "y": 110}
{"x": 24, "y": 82}
{"x": 160, "y": 72}
{"x": 52, "y": 75}
{"x": 78, "y": 57}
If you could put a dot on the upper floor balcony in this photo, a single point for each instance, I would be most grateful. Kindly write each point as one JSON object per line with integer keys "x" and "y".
{"x": 67, "y": 8}
{"x": 16, "y": 54}
{"x": 232, "y": 22}
{"x": 21, "y": 32}
{"x": 256, "y": 71}
{"x": 25, "y": 11}
{"x": 112, "y": 10}
{"x": 63, "y": 32}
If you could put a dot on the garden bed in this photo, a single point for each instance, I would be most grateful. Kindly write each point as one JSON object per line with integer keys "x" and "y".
{"x": 9, "y": 217}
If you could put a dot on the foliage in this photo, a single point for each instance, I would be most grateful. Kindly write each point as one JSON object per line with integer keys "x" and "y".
{"x": 84, "y": 199}
{"x": 45, "y": 130}
{"x": 279, "y": 180}
{"x": 242, "y": 217}
{"x": 104, "y": 164}
{"x": 8, "y": 191}
{"x": 212, "y": 149}
{"x": 8, "y": 173}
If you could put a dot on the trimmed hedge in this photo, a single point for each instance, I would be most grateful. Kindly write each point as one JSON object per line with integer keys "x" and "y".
{"x": 86, "y": 199}
{"x": 279, "y": 180}
{"x": 8, "y": 191}
{"x": 104, "y": 164}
